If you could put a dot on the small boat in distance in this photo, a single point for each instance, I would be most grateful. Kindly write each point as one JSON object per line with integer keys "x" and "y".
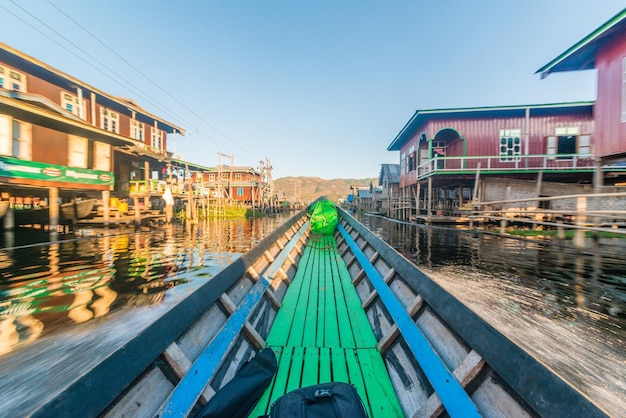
{"x": 77, "y": 209}
{"x": 338, "y": 306}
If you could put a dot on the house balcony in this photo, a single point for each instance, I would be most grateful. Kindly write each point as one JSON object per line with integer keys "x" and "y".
{"x": 561, "y": 163}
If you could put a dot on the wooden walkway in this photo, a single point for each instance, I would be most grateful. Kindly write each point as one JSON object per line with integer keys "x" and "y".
{"x": 321, "y": 334}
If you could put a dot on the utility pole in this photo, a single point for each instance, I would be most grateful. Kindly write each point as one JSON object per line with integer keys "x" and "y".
{"x": 262, "y": 184}
{"x": 270, "y": 184}
{"x": 220, "y": 209}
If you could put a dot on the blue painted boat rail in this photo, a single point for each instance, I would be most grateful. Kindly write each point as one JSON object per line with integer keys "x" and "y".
{"x": 454, "y": 398}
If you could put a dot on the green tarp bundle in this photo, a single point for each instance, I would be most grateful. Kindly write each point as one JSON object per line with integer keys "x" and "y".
{"x": 324, "y": 217}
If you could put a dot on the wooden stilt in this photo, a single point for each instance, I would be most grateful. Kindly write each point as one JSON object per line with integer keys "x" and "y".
{"x": 53, "y": 205}
{"x": 106, "y": 209}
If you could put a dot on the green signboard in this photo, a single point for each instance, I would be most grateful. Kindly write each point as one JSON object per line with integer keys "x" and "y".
{"x": 21, "y": 169}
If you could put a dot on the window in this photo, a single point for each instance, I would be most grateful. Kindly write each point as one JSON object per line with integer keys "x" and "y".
{"x": 137, "y": 130}
{"x": 237, "y": 176}
{"x": 239, "y": 191}
{"x": 20, "y": 140}
{"x": 568, "y": 142}
{"x": 12, "y": 80}
{"x": 403, "y": 163}
{"x": 211, "y": 176}
{"x": 70, "y": 103}
{"x": 157, "y": 139}
{"x": 510, "y": 145}
{"x": 109, "y": 121}
{"x": 410, "y": 160}
{"x": 18, "y": 81}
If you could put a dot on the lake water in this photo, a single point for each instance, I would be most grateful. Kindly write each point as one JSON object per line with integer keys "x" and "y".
{"x": 55, "y": 286}
{"x": 564, "y": 305}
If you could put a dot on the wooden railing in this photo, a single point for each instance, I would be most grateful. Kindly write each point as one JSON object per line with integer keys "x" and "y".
{"x": 157, "y": 187}
{"x": 538, "y": 162}
{"x": 599, "y": 212}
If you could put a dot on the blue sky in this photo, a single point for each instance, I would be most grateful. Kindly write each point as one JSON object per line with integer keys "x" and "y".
{"x": 320, "y": 88}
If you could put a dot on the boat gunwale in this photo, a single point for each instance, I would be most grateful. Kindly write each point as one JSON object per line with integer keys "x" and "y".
{"x": 541, "y": 388}
{"x": 96, "y": 389}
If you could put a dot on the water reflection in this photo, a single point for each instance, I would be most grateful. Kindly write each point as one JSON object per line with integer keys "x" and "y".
{"x": 593, "y": 279}
{"x": 53, "y": 286}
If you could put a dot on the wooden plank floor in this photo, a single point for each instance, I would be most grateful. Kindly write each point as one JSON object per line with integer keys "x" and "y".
{"x": 321, "y": 334}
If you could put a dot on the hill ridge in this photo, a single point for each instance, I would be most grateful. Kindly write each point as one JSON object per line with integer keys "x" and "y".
{"x": 306, "y": 189}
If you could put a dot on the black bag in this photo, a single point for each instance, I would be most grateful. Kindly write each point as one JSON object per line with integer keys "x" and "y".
{"x": 238, "y": 397}
{"x": 327, "y": 400}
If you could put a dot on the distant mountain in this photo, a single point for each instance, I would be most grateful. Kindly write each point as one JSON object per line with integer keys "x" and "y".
{"x": 307, "y": 189}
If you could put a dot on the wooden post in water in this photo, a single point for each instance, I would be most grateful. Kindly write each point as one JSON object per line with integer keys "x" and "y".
{"x": 505, "y": 207}
{"x": 430, "y": 198}
{"x": 419, "y": 200}
{"x": 581, "y": 219}
{"x": 538, "y": 193}
{"x": 53, "y": 208}
{"x": 137, "y": 211}
{"x": 106, "y": 209}
{"x": 476, "y": 183}
{"x": 598, "y": 183}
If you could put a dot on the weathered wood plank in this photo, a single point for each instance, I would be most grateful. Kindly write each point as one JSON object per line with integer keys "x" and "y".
{"x": 465, "y": 373}
{"x": 390, "y": 337}
{"x": 143, "y": 400}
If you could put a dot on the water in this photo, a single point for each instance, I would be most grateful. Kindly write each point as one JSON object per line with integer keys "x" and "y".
{"x": 56, "y": 287}
{"x": 565, "y": 306}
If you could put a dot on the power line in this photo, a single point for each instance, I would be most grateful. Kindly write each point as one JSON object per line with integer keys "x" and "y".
{"x": 129, "y": 85}
{"x": 157, "y": 85}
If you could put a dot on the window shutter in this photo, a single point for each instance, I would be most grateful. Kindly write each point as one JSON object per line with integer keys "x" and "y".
{"x": 77, "y": 156}
{"x": 103, "y": 156}
{"x": 584, "y": 144}
{"x": 552, "y": 147}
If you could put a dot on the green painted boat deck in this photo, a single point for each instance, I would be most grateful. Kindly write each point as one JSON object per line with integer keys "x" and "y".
{"x": 321, "y": 334}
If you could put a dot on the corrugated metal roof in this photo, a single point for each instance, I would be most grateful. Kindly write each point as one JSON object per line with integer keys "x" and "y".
{"x": 582, "y": 55}
{"x": 422, "y": 116}
{"x": 391, "y": 172}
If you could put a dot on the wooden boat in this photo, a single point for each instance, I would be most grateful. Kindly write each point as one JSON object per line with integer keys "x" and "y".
{"x": 341, "y": 307}
{"x": 67, "y": 212}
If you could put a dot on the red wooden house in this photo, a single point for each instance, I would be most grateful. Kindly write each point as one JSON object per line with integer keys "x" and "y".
{"x": 445, "y": 152}
{"x": 605, "y": 50}
{"x": 237, "y": 184}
